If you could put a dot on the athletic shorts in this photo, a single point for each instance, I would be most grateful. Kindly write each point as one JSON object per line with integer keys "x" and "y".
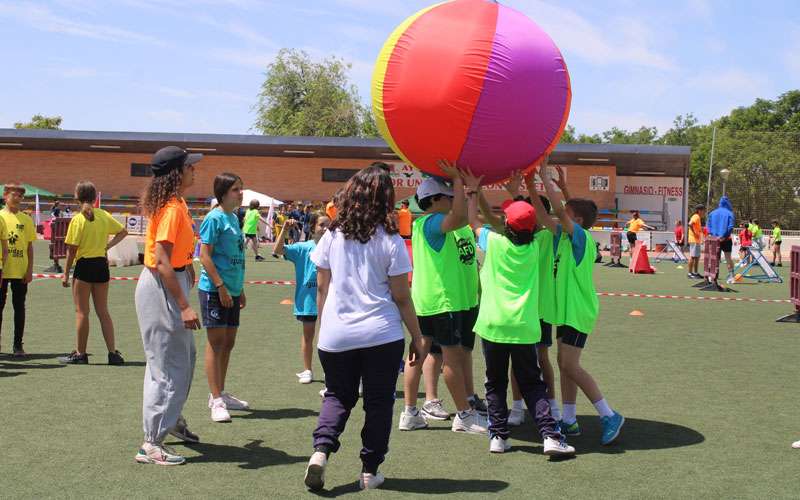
{"x": 92, "y": 270}
{"x": 306, "y": 318}
{"x": 547, "y": 334}
{"x": 570, "y": 336}
{"x": 632, "y": 238}
{"x": 216, "y": 316}
{"x": 777, "y": 243}
{"x": 250, "y": 236}
{"x": 451, "y": 329}
{"x": 695, "y": 249}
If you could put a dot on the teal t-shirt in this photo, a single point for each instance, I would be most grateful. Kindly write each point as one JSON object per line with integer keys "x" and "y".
{"x": 305, "y": 272}
{"x": 222, "y": 230}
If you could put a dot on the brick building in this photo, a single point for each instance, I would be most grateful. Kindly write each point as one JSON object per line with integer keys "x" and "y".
{"x": 617, "y": 177}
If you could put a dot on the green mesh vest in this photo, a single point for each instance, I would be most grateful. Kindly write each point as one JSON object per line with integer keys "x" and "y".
{"x": 509, "y": 312}
{"x": 547, "y": 279}
{"x": 447, "y": 280}
{"x": 576, "y": 299}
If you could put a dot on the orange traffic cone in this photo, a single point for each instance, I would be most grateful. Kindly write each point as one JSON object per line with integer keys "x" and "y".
{"x": 286, "y": 302}
{"x": 636, "y": 312}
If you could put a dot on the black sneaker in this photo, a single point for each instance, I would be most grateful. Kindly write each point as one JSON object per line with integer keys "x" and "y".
{"x": 115, "y": 358}
{"x": 182, "y": 432}
{"x": 74, "y": 358}
{"x": 19, "y": 352}
{"x": 259, "y": 258}
{"x": 478, "y": 405}
{"x": 53, "y": 269}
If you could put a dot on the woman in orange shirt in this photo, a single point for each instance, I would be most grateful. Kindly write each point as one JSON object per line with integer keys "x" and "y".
{"x": 166, "y": 319}
{"x": 404, "y": 220}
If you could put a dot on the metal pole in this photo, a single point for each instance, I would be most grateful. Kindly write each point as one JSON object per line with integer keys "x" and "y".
{"x": 711, "y": 166}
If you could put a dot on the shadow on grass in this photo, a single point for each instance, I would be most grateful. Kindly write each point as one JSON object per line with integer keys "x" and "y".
{"x": 30, "y": 356}
{"x": 636, "y": 434}
{"x": 11, "y": 374}
{"x": 31, "y": 366}
{"x": 402, "y": 395}
{"x": 427, "y": 486}
{"x": 250, "y": 456}
{"x": 278, "y": 414}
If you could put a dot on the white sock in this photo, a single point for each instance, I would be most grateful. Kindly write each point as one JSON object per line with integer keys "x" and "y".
{"x": 411, "y": 410}
{"x": 472, "y": 398}
{"x": 517, "y": 405}
{"x": 554, "y": 409}
{"x": 570, "y": 413}
{"x": 603, "y": 409}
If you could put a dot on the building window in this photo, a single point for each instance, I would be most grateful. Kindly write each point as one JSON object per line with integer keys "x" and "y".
{"x": 141, "y": 170}
{"x": 338, "y": 174}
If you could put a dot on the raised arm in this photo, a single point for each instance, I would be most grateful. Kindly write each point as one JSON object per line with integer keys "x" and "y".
{"x": 555, "y": 200}
{"x": 281, "y": 243}
{"x": 473, "y": 185}
{"x": 541, "y": 213}
{"x": 457, "y": 218}
{"x": 561, "y": 182}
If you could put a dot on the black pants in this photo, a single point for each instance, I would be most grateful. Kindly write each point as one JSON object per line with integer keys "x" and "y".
{"x": 376, "y": 368}
{"x": 18, "y": 292}
{"x": 529, "y": 377}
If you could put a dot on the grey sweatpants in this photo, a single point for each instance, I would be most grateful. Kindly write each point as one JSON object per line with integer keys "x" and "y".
{"x": 170, "y": 353}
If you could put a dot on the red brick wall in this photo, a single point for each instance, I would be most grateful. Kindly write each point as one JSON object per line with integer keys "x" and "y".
{"x": 283, "y": 178}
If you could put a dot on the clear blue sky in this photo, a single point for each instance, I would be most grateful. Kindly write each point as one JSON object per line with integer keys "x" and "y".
{"x": 196, "y": 65}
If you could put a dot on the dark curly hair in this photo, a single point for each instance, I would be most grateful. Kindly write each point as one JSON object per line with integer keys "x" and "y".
{"x": 160, "y": 191}
{"x": 366, "y": 202}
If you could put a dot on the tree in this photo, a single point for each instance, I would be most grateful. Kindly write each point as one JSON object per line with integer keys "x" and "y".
{"x": 303, "y": 97}
{"x": 41, "y": 121}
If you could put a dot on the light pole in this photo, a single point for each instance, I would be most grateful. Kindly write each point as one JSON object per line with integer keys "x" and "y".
{"x": 724, "y": 173}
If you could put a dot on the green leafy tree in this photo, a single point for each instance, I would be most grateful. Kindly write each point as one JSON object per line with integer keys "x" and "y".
{"x": 41, "y": 121}
{"x": 304, "y": 97}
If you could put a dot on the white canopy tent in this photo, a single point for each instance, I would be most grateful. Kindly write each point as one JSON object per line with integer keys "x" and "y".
{"x": 249, "y": 195}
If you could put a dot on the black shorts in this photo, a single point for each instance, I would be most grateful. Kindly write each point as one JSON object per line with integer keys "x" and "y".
{"x": 306, "y": 319}
{"x": 632, "y": 238}
{"x": 251, "y": 236}
{"x": 726, "y": 246}
{"x": 451, "y": 329}
{"x": 93, "y": 270}
{"x": 436, "y": 349}
{"x": 547, "y": 334}
{"x": 777, "y": 243}
{"x": 216, "y": 316}
{"x": 570, "y": 336}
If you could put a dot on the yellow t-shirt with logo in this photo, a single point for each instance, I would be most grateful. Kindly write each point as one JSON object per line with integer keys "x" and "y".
{"x": 3, "y": 236}
{"x": 91, "y": 236}
{"x": 21, "y": 232}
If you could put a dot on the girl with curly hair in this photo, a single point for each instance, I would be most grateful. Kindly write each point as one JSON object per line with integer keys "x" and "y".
{"x": 363, "y": 300}
{"x": 165, "y": 318}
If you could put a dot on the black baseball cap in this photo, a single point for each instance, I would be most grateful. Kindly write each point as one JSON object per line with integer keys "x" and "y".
{"x": 172, "y": 158}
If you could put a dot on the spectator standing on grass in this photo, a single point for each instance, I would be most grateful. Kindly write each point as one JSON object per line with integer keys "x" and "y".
{"x": 250, "y": 228}
{"x": 221, "y": 291}
{"x": 775, "y": 242}
{"x": 18, "y": 266}
{"x": 695, "y": 237}
{"x": 745, "y": 241}
{"x": 166, "y": 319}
{"x": 404, "y": 220}
{"x": 679, "y": 236}
{"x": 87, "y": 245}
{"x": 635, "y": 225}
{"x": 720, "y": 226}
{"x": 363, "y": 300}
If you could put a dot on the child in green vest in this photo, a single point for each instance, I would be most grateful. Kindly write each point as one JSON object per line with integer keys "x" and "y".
{"x": 577, "y": 308}
{"x": 508, "y": 321}
{"x": 444, "y": 289}
{"x": 776, "y": 239}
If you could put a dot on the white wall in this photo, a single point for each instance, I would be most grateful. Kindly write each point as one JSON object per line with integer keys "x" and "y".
{"x": 650, "y": 193}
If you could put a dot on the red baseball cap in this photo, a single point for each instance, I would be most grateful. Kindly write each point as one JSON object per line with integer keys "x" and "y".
{"x": 520, "y": 215}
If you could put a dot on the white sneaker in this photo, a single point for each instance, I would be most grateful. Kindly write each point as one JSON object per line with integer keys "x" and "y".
{"x": 553, "y": 447}
{"x": 498, "y": 445}
{"x": 434, "y": 409}
{"x": 322, "y": 392}
{"x": 516, "y": 417}
{"x": 234, "y": 403}
{"x": 315, "y": 472}
{"x": 473, "y": 423}
{"x": 219, "y": 413}
{"x": 305, "y": 377}
{"x": 370, "y": 481}
{"x": 410, "y": 422}
{"x": 158, "y": 454}
{"x": 796, "y": 445}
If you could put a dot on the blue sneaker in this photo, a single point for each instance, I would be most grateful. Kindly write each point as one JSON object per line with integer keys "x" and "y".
{"x": 572, "y": 429}
{"x": 611, "y": 427}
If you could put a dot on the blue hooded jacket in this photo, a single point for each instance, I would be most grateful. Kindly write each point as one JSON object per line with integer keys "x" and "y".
{"x": 721, "y": 220}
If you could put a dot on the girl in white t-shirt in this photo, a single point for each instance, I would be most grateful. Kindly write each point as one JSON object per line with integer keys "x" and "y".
{"x": 363, "y": 300}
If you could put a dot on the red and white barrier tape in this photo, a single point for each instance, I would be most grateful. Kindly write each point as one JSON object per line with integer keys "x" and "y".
{"x": 135, "y": 278}
{"x": 600, "y": 294}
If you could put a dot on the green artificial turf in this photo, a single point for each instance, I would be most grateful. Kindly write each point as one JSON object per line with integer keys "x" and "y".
{"x": 707, "y": 389}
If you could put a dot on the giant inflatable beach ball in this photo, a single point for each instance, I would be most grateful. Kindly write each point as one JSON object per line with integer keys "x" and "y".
{"x": 473, "y": 82}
